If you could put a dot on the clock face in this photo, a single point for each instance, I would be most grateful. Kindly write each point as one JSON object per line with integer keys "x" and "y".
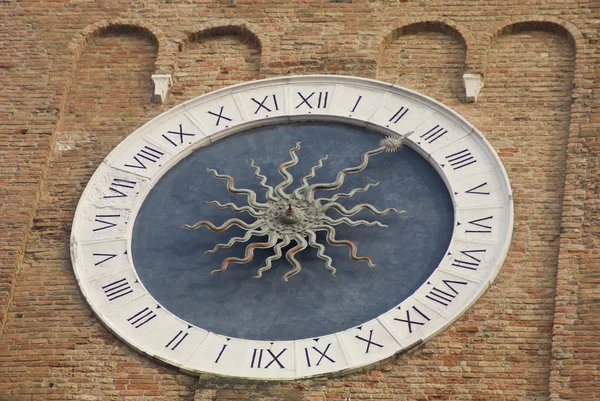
{"x": 330, "y": 245}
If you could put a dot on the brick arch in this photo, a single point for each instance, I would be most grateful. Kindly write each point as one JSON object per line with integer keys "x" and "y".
{"x": 216, "y": 54}
{"x": 166, "y": 56}
{"x": 242, "y": 28}
{"x": 420, "y": 70}
{"x": 453, "y": 28}
{"x": 549, "y": 24}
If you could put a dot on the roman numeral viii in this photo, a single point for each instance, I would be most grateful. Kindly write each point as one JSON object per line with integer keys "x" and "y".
{"x": 147, "y": 154}
{"x": 446, "y": 294}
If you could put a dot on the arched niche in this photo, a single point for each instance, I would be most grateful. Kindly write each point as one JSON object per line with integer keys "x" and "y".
{"x": 213, "y": 57}
{"x": 427, "y": 56}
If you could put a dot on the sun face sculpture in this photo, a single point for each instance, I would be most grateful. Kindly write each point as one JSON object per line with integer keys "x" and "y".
{"x": 296, "y": 216}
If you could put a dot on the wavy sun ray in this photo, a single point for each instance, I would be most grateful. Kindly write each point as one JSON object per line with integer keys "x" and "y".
{"x": 251, "y": 195}
{"x": 263, "y": 182}
{"x": 297, "y": 216}
{"x": 353, "y": 223}
{"x": 311, "y": 174}
{"x": 312, "y": 241}
{"x": 230, "y": 205}
{"x": 249, "y": 234}
{"x": 290, "y": 256}
{"x": 353, "y": 248}
{"x": 278, "y": 253}
{"x": 288, "y": 179}
{"x": 249, "y": 254}
{"x": 359, "y": 207}
{"x": 348, "y": 195}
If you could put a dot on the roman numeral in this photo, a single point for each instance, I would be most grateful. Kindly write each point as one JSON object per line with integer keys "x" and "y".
{"x": 178, "y": 136}
{"x": 320, "y": 354}
{"x": 117, "y": 289}
{"x": 262, "y": 105}
{"x": 117, "y": 186}
{"x": 100, "y": 218}
{"x": 399, "y": 114}
{"x": 321, "y": 100}
{"x": 478, "y": 190}
{"x": 461, "y": 159}
{"x": 147, "y": 153}
{"x": 106, "y": 257}
{"x": 174, "y": 343}
{"x": 472, "y": 263}
{"x": 219, "y": 116}
{"x": 260, "y": 356}
{"x": 221, "y": 352}
{"x": 141, "y": 318}
{"x": 369, "y": 341}
{"x": 409, "y": 321}
{"x": 434, "y": 134}
{"x": 481, "y": 225}
{"x": 443, "y": 296}
{"x": 356, "y": 104}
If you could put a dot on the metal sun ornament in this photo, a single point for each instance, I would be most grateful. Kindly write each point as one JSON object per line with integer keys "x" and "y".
{"x": 297, "y": 216}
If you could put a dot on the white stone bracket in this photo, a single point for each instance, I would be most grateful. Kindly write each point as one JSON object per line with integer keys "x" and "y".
{"x": 162, "y": 86}
{"x": 473, "y": 84}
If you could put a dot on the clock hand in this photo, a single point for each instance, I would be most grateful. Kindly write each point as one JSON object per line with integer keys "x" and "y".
{"x": 339, "y": 180}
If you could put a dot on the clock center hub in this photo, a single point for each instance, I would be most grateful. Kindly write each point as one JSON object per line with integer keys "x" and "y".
{"x": 291, "y": 215}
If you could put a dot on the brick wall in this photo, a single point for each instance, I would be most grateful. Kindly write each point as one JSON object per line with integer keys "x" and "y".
{"x": 76, "y": 83}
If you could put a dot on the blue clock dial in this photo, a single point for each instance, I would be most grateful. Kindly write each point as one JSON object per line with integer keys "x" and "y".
{"x": 174, "y": 268}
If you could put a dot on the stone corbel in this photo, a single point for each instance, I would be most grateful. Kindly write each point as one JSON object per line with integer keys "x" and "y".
{"x": 162, "y": 86}
{"x": 473, "y": 84}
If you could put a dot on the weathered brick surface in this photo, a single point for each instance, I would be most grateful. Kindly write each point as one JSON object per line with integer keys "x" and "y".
{"x": 76, "y": 80}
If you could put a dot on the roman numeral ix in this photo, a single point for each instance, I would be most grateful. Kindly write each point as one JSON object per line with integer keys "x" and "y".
{"x": 320, "y": 354}
{"x": 177, "y": 136}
